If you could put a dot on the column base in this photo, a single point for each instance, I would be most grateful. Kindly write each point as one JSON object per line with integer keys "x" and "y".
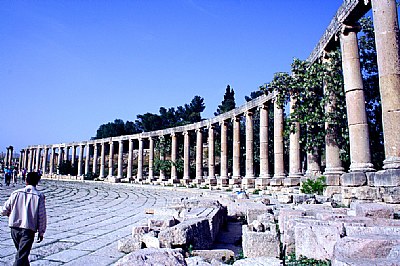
{"x": 198, "y": 181}
{"x": 173, "y": 181}
{"x": 391, "y": 163}
{"x": 362, "y": 167}
{"x": 384, "y": 178}
{"x": 236, "y": 180}
{"x": 222, "y": 182}
{"x": 113, "y": 179}
{"x": 248, "y": 182}
{"x": 332, "y": 179}
{"x": 354, "y": 179}
{"x": 291, "y": 181}
{"x": 185, "y": 181}
{"x": 211, "y": 181}
{"x": 276, "y": 181}
{"x": 262, "y": 182}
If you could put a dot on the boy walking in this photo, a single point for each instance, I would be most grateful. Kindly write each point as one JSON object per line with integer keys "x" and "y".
{"x": 27, "y": 215}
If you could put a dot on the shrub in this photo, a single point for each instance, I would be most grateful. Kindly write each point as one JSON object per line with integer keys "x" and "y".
{"x": 313, "y": 186}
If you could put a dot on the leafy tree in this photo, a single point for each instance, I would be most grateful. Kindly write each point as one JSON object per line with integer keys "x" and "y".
{"x": 116, "y": 128}
{"x": 228, "y": 103}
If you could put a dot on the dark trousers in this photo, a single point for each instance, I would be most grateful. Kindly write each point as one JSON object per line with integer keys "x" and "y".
{"x": 23, "y": 240}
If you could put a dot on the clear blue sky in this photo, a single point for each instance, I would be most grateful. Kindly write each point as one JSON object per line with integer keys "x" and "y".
{"x": 69, "y": 66}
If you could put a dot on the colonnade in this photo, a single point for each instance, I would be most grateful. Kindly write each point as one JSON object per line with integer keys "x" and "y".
{"x": 48, "y": 157}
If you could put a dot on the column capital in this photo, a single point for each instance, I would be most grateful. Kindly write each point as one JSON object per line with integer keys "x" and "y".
{"x": 346, "y": 29}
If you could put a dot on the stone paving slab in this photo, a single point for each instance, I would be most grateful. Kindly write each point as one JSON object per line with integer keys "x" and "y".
{"x": 85, "y": 220}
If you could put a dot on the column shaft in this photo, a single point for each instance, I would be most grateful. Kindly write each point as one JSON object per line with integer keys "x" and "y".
{"x": 111, "y": 159}
{"x": 140, "y": 161}
{"x": 186, "y": 155}
{"x": 80, "y": 160}
{"x": 279, "y": 166}
{"x": 264, "y": 164}
{"x": 130, "y": 158}
{"x": 236, "y": 148}
{"x": 120, "y": 158}
{"x": 224, "y": 150}
{"x": 151, "y": 159}
{"x": 199, "y": 154}
{"x": 87, "y": 159}
{"x": 102, "y": 160}
{"x": 95, "y": 156}
{"x": 211, "y": 153}
{"x": 174, "y": 146}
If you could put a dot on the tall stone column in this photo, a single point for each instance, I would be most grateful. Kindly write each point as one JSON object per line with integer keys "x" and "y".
{"x": 199, "y": 155}
{"x": 51, "y": 171}
{"x": 44, "y": 165}
{"x": 211, "y": 156}
{"x": 236, "y": 177}
{"x": 73, "y": 156}
{"x": 111, "y": 159}
{"x": 66, "y": 153}
{"x": 248, "y": 181}
{"x": 130, "y": 159}
{"x": 162, "y": 158}
{"x": 279, "y": 171}
{"x": 334, "y": 168}
{"x": 388, "y": 55}
{"x": 80, "y": 160}
{"x": 37, "y": 160}
{"x": 7, "y": 162}
{"x": 263, "y": 181}
{"x": 355, "y": 102}
{"x": 186, "y": 156}
{"x": 102, "y": 160}
{"x": 95, "y": 155}
{"x": 294, "y": 151}
{"x": 87, "y": 158}
{"x": 151, "y": 159}
{"x": 223, "y": 179}
{"x": 140, "y": 161}
{"x": 120, "y": 158}
{"x": 59, "y": 159}
{"x": 31, "y": 160}
{"x": 313, "y": 166}
{"x": 174, "y": 148}
{"x": 21, "y": 154}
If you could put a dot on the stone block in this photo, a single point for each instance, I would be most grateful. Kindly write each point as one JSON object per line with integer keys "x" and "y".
{"x": 301, "y": 198}
{"x": 129, "y": 245}
{"x": 195, "y": 232}
{"x": 160, "y": 222}
{"x": 354, "y": 179}
{"x": 330, "y": 191}
{"x": 262, "y": 183}
{"x": 285, "y": 198}
{"x": 260, "y": 261}
{"x": 352, "y": 230}
{"x": 153, "y": 256}
{"x": 276, "y": 181}
{"x": 387, "y": 178}
{"x": 253, "y": 213}
{"x": 332, "y": 180}
{"x": 150, "y": 241}
{"x": 216, "y": 254}
{"x": 258, "y": 244}
{"x": 316, "y": 239}
{"x": 390, "y": 194}
{"x": 291, "y": 181}
{"x": 364, "y": 248}
{"x": 374, "y": 210}
{"x": 140, "y": 230}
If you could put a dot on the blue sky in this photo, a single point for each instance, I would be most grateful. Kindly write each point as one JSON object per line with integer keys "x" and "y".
{"x": 69, "y": 66}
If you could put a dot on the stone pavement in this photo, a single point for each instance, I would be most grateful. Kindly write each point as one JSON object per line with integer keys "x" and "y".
{"x": 85, "y": 221}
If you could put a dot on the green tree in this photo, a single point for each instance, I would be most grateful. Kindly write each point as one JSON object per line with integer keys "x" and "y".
{"x": 228, "y": 103}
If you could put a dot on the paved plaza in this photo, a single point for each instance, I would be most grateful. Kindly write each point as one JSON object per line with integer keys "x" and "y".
{"x": 85, "y": 221}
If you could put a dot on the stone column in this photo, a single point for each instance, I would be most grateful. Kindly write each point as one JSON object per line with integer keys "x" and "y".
{"x": 388, "y": 55}
{"x": 140, "y": 161}
{"x": 333, "y": 169}
{"x": 236, "y": 177}
{"x": 52, "y": 161}
{"x": 211, "y": 156}
{"x": 223, "y": 179}
{"x": 263, "y": 181}
{"x": 44, "y": 165}
{"x": 59, "y": 159}
{"x": 102, "y": 160}
{"x": 130, "y": 159}
{"x": 37, "y": 160}
{"x": 11, "y": 155}
{"x": 7, "y": 163}
{"x": 111, "y": 159}
{"x": 120, "y": 158}
{"x": 186, "y": 156}
{"x": 80, "y": 160}
{"x": 162, "y": 158}
{"x": 31, "y": 160}
{"x": 313, "y": 166}
{"x": 21, "y": 154}
{"x": 199, "y": 156}
{"x": 66, "y": 153}
{"x": 279, "y": 171}
{"x": 294, "y": 151}
{"x": 73, "y": 156}
{"x": 87, "y": 158}
{"x": 151, "y": 159}
{"x": 174, "y": 147}
{"x": 248, "y": 181}
{"x": 355, "y": 102}
{"x": 95, "y": 156}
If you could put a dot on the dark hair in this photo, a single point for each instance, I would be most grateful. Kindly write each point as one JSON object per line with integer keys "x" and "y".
{"x": 32, "y": 178}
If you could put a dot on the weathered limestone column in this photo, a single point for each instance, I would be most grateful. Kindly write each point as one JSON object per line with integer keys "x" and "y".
{"x": 59, "y": 159}
{"x": 388, "y": 55}
{"x": 236, "y": 178}
{"x": 279, "y": 171}
{"x": 355, "y": 102}
{"x": 21, "y": 154}
{"x": 111, "y": 159}
{"x": 102, "y": 160}
{"x": 294, "y": 152}
{"x": 37, "y": 160}
{"x": 151, "y": 159}
{"x": 139, "y": 176}
{"x": 130, "y": 159}
{"x": 95, "y": 156}
{"x": 80, "y": 160}
{"x": 7, "y": 163}
{"x": 66, "y": 153}
{"x": 263, "y": 180}
{"x": 26, "y": 159}
{"x": 211, "y": 180}
{"x": 223, "y": 179}
{"x": 162, "y": 158}
{"x": 199, "y": 156}
{"x": 120, "y": 158}
{"x": 174, "y": 147}
{"x": 11, "y": 155}
{"x": 186, "y": 156}
{"x": 31, "y": 160}
{"x": 313, "y": 167}
{"x": 248, "y": 181}
{"x": 87, "y": 158}
{"x": 44, "y": 164}
{"x": 73, "y": 156}
{"x": 51, "y": 171}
